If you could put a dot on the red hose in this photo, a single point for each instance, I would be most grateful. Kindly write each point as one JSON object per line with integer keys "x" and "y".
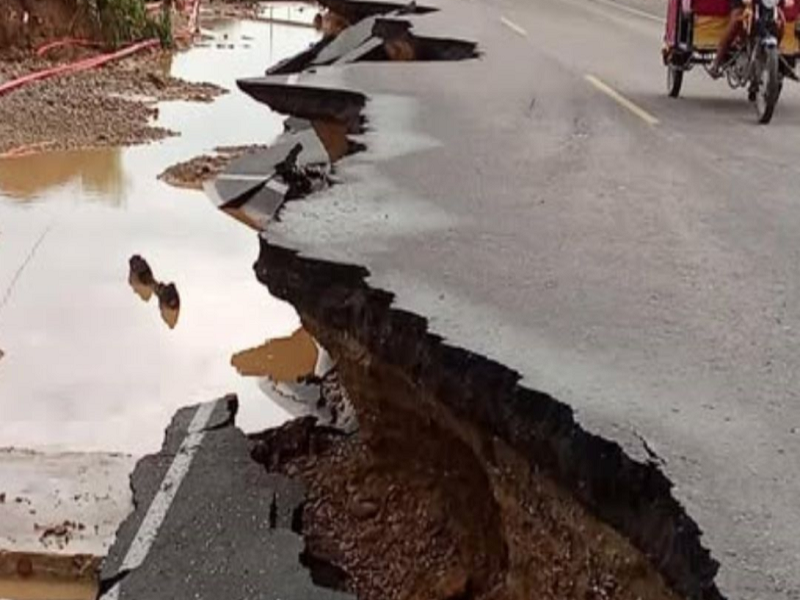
{"x": 81, "y": 65}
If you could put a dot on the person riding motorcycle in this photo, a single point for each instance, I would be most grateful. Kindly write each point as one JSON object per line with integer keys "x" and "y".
{"x": 734, "y": 31}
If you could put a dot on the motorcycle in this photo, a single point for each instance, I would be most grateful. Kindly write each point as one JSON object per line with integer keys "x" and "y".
{"x": 756, "y": 61}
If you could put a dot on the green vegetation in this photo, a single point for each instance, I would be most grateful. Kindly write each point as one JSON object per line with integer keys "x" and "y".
{"x": 122, "y": 21}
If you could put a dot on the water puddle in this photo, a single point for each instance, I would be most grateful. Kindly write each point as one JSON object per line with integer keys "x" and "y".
{"x": 25, "y": 576}
{"x": 88, "y": 363}
{"x": 299, "y": 375}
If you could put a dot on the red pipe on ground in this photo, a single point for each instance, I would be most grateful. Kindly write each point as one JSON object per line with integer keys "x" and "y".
{"x": 81, "y": 65}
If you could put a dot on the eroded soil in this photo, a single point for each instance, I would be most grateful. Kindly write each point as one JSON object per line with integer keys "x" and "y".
{"x": 420, "y": 505}
{"x": 26, "y": 23}
{"x": 110, "y": 106}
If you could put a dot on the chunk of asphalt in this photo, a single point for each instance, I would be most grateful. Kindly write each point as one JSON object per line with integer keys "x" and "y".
{"x": 355, "y": 10}
{"x": 299, "y": 62}
{"x": 307, "y": 102}
{"x": 250, "y": 175}
{"x": 265, "y": 201}
{"x": 263, "y": 162}
{"x": 295, "y": 125}
{"x": 347, "y": 41}
{"x": 217, "y": 538}
{"x": 361, "y": 52}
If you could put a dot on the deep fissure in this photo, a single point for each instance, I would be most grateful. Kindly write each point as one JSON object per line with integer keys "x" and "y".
{"x": 483, "y": 397}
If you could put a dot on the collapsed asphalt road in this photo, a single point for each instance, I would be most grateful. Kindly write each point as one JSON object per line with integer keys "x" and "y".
{"x": 632, "y": 257}
{"x": 209, "y": 521}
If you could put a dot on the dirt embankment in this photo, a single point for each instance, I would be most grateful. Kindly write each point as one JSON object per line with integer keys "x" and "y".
{"x": 25, "y": 24}
{"x": 109, "y": 106}
{"x": 418, "y": 506}
{"x": 460, "y": 475}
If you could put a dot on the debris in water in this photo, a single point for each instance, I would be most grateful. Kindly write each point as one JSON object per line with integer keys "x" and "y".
{"x": 169, "y": 303}
{"x": 145, "y": 285}
{"x": 60, "y": 534}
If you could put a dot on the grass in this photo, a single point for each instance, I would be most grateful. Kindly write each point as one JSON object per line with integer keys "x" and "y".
{"x": 120, "y": 22}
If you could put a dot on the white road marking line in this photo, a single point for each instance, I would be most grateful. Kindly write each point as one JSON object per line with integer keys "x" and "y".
{"x": 513, "y": 27}
{"x": 615, "y": 95}
{"x": 629, "y": 9}
{"x": 157, "y": 512}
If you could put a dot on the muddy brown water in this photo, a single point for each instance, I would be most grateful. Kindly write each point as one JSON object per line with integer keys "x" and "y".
{"x": 25, "y": 576}
{"x": 87, "y": 365}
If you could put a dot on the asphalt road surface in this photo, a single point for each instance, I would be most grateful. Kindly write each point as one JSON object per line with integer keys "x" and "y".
{"x": 635, "y": 256}
{"x": 209, "y": 522}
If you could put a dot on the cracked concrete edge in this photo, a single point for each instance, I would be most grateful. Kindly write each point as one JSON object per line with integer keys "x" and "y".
{"x": 283, "y": 497}
{"x": 633, "y": 497}
{"x": 148, "y": 474}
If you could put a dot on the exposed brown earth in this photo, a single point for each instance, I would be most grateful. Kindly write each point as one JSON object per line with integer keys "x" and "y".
{"x": 109, "y": 106}
{"x": 27, "y": 23}
{"x": 419, "y": 505}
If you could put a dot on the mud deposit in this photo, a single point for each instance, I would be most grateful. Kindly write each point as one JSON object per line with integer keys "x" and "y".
{"x": 24, "y": 24}
{"x": 411, "y": 508}
{"x": 25, "y": 576}
{"x": 110, "y": 106}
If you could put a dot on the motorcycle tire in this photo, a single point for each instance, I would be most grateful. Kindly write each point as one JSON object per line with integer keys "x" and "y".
{"x": 674, "y": 81}
{"x": 769, "y": 85}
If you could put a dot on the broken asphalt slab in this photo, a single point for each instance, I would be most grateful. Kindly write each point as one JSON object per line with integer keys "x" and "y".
{"x": 209, "y": 522}
{"x": 250, "y": 179}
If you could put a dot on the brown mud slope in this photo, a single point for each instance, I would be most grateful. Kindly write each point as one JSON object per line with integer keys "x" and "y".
{"x": 461, "y": 483}
{"x": 412, "y": 507}
{"x": 28, "y": 23}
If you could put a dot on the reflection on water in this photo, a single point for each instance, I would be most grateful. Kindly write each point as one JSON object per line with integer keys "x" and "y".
{"x": 285, "y": 360}
{"x": 45, "y": 589}
{"x": 98, "y": 173}
{"x": 86, "y": 365}
{"x": 299, "y": 375}
{"x": 145, "y": 285}
{"x": 27, "y": 576}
